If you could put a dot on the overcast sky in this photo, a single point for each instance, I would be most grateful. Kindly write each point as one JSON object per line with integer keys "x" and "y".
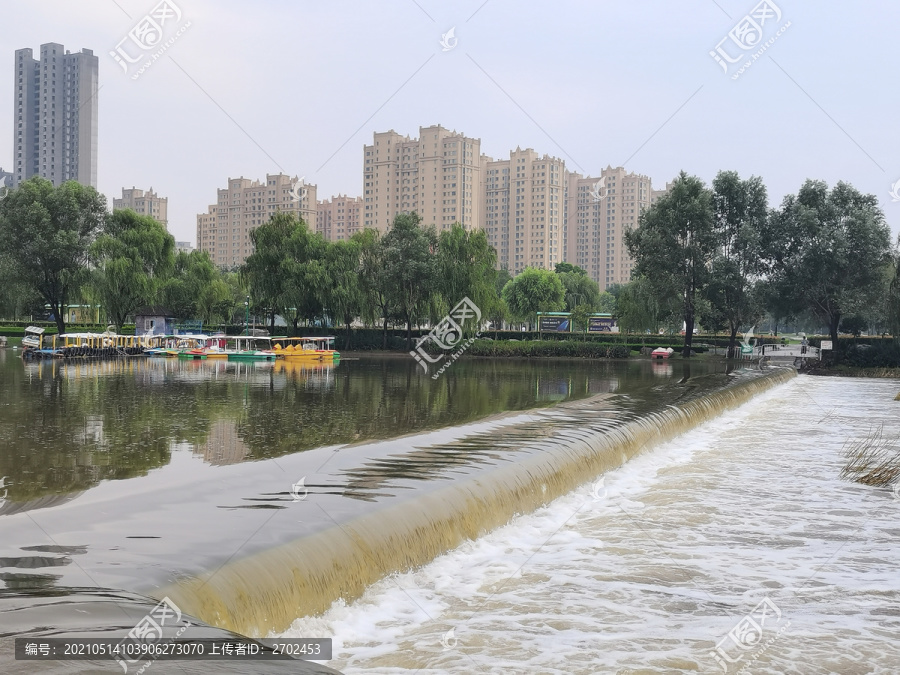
{"x": 249, "y": 88}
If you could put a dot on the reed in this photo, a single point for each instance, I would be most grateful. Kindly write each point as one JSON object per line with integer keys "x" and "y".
{"x": 872, "y": 460}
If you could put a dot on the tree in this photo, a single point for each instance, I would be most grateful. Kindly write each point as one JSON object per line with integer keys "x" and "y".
{"x": 606, "y": 303}
{"x": 497, "y": 311}
{"x": 569, "y": 268}
{"x": 47, "y": 233}
{"x": 740, "y": 219}
{"x": 830, "y": 251}
{"x": 892, "y": 300}
{"x": 342, "y": 296}
{"x": 377, "y": 301}
{"x": 466, "y": 268}
{"x": 641, "y": 308}
{"x": 197, "y": 289}
{"x": 410, "y": 268}
{"x": 534, "y": 290}
{"x": 132, "y": 257}
{"x": 303, "y": 275}
{"x": 854, "y": 325}
{"x": 580, "y": 290}
{"x": 674, "y": 244}
{"x": 262, "y": 270}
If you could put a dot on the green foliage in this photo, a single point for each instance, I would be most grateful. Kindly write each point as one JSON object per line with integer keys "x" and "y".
{"x": 643, "y": 307}
{"x": 606, "y": 303}
{"x": 410, "y": 268}
{"x": 465, "y": 268}
{"x": 132, "y": 256}
{"x": 534, "y": 290}
{"x": 197, "y": 289}
{"x": 579, "y": 290}
{"x": 741, "y": 208}
{"x": 46, "y": 232}
{"x": 674, "y": 245}
{"x": 829, "y": 251}
{"x": 569, "y": 268}
{"x": 545, "y": 348}
{"x": 855, "y": 325}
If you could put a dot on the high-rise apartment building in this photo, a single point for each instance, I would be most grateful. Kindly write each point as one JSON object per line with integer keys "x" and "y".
{"x": 524, "y": 201}
{"x": 224, "y": 231}
{"x": 437, "y": 175}
{"x": 146, "y": 203}
{"x": 598, "y": 213}
{"x": 55, "y": 115}
{"x": 339, "y": 218}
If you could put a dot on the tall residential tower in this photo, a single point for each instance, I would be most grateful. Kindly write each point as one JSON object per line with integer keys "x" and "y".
{"x": 55, "y": 115}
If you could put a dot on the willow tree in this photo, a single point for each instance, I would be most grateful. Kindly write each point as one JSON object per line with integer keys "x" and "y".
{"x": 830, "y": 250}
{"x": 132, "y": 257}
{"x": 674, "y": 245}
{"x": 534, "y": 290}
{"x": 47, "y": 233}
{"x": 262, "y": 270}
{"x": 410, "y": 268}
{"x": 466, "y": 269}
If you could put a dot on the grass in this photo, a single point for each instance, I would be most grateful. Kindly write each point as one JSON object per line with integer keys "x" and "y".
{"x": 873, "y": 460}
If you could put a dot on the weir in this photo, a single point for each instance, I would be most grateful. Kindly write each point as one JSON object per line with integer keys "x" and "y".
{"x": 557, "y": 450}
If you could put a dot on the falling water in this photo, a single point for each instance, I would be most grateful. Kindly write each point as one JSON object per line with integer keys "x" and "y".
{"x": 559, "y": 449}
{"x": 654, "y": 566}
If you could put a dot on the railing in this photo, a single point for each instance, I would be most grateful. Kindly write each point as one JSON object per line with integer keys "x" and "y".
{"x": 787, "y": 351}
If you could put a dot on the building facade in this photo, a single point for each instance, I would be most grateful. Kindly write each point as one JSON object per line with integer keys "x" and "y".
{"x": 523, "y": 209}
{"x": 339, "y": 218}
{"x": 146, "y": 203}
{"x": 55, "y": 115}
{"x": 598, "y": 213}
{"x": 224, "y": 230}
{"x": 437, "y": 175}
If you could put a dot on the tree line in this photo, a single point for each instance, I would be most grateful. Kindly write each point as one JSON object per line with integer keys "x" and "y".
{"x": 715, "y": 255}
{"x": 59, "y": 246}
{"x": 721, "y": 256}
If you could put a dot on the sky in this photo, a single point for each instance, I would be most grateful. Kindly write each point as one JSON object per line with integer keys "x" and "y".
{"x": 250, "y": 88}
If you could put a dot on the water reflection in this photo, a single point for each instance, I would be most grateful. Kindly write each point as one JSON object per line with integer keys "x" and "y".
{"x": 67, "y": 425}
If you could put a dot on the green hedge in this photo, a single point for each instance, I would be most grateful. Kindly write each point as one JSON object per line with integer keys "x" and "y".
{"x": 545, "y": 348}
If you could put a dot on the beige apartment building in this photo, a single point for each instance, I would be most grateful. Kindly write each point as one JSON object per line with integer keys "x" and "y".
{"x": 146, "y": 203}
{"x": 437, "y": 175}
{"x": 524, "y": 201}
{"x": 339, "y": 218}
{"x": 598, "y": 213}
{"x": 224, "y": 231}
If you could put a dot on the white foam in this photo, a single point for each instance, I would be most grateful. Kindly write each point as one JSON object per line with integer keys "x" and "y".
{"x": 683, "y": 542}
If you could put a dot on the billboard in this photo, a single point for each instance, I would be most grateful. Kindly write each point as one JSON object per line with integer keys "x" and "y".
{"x": 559, "y": 323}
{"x": 601, "y": 324}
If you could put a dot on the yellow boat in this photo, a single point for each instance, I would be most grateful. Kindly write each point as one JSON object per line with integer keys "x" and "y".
{"x": 306, "y": 349}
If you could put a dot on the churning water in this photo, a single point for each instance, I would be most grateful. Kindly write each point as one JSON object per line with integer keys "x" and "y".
{"x": 734, "y": 546}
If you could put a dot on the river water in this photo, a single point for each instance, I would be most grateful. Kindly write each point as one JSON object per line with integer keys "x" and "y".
{"x": 651, "y": 568}
{"x": 255, "y": 494}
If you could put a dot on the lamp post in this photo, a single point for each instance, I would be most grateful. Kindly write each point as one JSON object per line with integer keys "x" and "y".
{"x": 247, "y": 320}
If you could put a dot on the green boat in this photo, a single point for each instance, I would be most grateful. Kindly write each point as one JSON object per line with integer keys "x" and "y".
{"x": 250, "y": 348}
